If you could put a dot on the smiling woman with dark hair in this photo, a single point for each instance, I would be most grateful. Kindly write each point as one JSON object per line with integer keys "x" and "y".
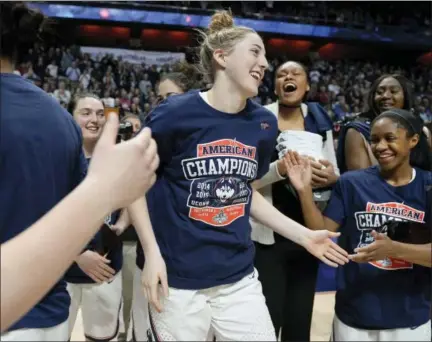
{"x": 388, "y": 91}
{"x": 279, "y": 261}
{"x": 383, "y": 294}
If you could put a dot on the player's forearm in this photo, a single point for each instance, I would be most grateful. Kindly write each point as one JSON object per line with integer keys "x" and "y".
{"x": 417, "y": 254}
{"x": 124, "y": 220}
{"x": 312, "y": 215}
{"x": 273, "y": 175}
{"x": 33, "y": 261}
{"x": 268, "y": 215}
{"x": 139, "y": 215}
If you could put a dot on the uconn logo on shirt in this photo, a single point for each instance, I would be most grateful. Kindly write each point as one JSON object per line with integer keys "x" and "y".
{"x": 220, "y": 174}
{"x": 375, "y": 216}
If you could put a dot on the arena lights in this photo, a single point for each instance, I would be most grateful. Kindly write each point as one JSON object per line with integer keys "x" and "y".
{"x": 104, "y": 13}
{"x": 269, "y": 26}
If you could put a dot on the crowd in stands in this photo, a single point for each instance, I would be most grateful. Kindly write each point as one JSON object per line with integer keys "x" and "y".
{"x": 341, "y": 86}
{"x": 407, "y": 16}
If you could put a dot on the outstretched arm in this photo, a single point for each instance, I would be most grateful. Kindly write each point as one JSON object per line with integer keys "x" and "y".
{"x": 66, "y": 229}
{"x": 318, "y": 243}
{"x": 63, "y": 232}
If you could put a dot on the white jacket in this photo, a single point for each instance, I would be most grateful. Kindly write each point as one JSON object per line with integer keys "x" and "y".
{"x": 261, "y": 233}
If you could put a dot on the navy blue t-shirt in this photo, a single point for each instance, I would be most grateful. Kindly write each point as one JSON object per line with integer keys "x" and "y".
{"x": 76, "y": 275}
{"x": 200, "y": 204}
{"x": 41, "y": 161}
{"x": 390, "y": 293}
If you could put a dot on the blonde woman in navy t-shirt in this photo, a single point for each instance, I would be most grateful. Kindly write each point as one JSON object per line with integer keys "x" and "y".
{"x": 212, "y": 145}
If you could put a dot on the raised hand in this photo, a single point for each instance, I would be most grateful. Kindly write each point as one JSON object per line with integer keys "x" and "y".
{"x": 298, "y": 170}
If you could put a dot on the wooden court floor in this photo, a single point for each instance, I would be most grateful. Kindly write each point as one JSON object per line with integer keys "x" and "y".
{"x": 321, "y": 320}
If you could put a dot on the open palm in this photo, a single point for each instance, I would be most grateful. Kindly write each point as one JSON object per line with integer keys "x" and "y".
{"x": 321, "y": 245}
{"x": 299, "y": 170}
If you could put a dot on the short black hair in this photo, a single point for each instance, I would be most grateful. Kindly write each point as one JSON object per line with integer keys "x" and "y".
{"x": 305, "y": 69}
{"x": 421, "y": 154}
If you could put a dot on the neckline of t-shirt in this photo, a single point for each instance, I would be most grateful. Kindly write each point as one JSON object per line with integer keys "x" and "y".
{"x": 413, "y": 177}
{"x": 202, "y": 97}
{"x": 10, "y": 74}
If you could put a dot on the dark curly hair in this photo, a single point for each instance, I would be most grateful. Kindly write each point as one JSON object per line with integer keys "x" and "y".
{"x": 20, "y": 28}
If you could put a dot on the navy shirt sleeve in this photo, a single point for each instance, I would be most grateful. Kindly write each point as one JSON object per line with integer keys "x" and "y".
{"x": 82, "y": 167}
{"x": 160, "y": 123}
{"x": 336, "y": 208}
{"x": 81, "y": 163}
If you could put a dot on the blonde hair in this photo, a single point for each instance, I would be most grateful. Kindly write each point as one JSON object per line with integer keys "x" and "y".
{"x": 222, "y": 34}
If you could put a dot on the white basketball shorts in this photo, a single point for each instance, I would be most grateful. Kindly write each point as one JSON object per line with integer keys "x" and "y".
{"x": 100, "y": 306}
{"x": 233, "y": 312}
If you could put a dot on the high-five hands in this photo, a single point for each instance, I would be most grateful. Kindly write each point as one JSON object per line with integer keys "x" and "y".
{"x": 298, "y": 170}
{"x": 318, "y": 242}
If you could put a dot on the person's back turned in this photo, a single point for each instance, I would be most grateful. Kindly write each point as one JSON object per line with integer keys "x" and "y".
{"x": 41, "y": 161}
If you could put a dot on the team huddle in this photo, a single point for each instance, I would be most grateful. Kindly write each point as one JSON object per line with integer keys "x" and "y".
{"x": 207, "y": 229}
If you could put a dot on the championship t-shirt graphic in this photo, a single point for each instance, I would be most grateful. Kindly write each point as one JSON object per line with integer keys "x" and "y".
{"x": 375, "y": 216}
{"x": 219, "y": 191}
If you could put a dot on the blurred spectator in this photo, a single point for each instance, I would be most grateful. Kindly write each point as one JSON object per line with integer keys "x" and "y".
{"x": 145, "y": 85}
{"x": 107, "y": 100}
{"x": 66, "y": 59}
{"x": 30, "y": 75}
{"x": 62, "y": 94}
{"x": 73, "y": 72}
{"x": 340, "y": 108}
{"x": 334, "y": 87}
{"x": 52, "y": 69}
{"x": 85, "y": 79}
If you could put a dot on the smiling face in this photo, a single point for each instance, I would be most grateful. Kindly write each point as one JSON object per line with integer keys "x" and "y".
{"x": 390, "y": 143}
{"x": 389, "y": 94}
{"x": 291, "y": 83}
{"x": 89, "y": 115}
{"x": 245, "y": 64}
